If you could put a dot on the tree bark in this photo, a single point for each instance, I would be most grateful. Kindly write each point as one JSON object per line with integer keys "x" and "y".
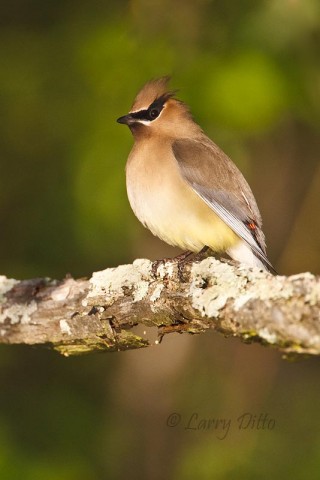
{"x": 134, "y": 306}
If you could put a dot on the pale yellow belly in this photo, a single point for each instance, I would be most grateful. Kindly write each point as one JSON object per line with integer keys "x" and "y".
{"x": 169, "y": 207}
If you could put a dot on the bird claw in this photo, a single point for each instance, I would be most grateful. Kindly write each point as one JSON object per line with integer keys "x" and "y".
{"x": 179, "y": 258}
{"x": 180, "y": 261}
{"x": 156, "y": 264}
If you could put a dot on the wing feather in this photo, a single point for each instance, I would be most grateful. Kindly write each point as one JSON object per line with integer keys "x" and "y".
{"x": 219, "y": 183}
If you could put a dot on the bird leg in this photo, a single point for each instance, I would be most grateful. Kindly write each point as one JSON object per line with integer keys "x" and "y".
{"x": 202, "y": 254}
{"x": 182, "y": 256}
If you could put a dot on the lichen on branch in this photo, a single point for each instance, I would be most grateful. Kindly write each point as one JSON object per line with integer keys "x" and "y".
{"x": 102, "y": 313}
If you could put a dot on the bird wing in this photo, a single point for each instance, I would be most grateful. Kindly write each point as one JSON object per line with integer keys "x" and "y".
{"x": 219, "y": 183}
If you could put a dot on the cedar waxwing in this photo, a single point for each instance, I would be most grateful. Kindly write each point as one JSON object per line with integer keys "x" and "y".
{"x": 183, "y": 187}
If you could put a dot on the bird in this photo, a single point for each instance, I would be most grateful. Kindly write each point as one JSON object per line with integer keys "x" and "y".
{"x": 183, "y": 187}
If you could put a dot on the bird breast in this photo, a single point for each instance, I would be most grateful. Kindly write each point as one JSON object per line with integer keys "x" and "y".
{"x": 167, "y": 205}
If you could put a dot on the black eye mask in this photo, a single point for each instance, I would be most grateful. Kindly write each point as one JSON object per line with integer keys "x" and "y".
{"x": 153, "y": 111}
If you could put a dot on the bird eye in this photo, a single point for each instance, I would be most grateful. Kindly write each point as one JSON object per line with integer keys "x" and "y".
{"x": 154, "y": 113}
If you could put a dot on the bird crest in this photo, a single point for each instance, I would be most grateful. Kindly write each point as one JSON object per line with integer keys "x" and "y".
{"x": 151, "y": 91}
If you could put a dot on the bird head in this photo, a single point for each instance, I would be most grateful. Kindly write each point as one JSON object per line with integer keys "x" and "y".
{"x": 156, "y": 112}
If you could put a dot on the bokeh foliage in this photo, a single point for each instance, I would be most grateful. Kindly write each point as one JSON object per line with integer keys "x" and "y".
{"x": 250, "y": 71}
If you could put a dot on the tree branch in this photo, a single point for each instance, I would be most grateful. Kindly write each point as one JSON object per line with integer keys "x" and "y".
{"x": 132, "y": 306}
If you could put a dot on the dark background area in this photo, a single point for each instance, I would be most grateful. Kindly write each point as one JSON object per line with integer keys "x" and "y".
{"x": 250, "y": 70}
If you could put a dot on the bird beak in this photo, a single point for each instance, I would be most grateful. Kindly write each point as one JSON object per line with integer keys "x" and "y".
{"x": 126, "y": 119}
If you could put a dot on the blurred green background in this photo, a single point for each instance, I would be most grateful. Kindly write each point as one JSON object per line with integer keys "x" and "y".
{"x": 250, "y": 70}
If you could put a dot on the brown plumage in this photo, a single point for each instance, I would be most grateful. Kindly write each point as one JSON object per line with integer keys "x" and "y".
{"x": 183, "y": 187}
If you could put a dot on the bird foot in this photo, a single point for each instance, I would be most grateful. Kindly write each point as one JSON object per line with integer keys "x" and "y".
{"x": 181, "y": 260}
{"x": 182, "y": 257}
{"x": 193, "y": 257}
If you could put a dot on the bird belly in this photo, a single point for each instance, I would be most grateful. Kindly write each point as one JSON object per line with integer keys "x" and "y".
{"x": 171, "y": 210}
